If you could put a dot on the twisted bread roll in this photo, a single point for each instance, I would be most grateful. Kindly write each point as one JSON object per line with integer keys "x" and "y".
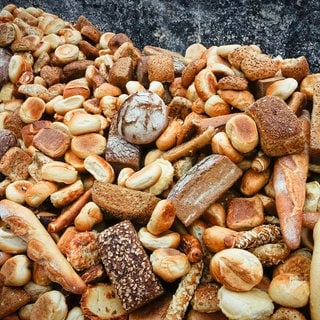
{"x": 41, "y": 247}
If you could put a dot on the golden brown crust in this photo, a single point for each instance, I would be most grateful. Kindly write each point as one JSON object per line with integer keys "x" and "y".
{"x": 41, "y": 247}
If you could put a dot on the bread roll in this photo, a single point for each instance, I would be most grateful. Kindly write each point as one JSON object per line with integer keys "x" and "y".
{"x": 251, "y": 305}
{"x": 236, "y": 269}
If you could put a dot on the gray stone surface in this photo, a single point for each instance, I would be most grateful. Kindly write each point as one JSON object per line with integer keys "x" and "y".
{"x": 286, "y": 28}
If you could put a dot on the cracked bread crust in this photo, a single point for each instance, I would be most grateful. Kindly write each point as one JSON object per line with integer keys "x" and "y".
{"x": 128, "y": 266}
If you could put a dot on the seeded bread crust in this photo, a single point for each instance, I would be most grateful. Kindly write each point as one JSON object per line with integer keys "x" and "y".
{"x": 128, "y": 266}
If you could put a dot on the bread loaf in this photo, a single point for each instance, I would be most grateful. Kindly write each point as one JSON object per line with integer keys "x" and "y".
{"x": 41, "y": 247}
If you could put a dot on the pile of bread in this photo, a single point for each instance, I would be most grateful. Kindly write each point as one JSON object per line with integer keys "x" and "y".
{"x": 141, "y": 183}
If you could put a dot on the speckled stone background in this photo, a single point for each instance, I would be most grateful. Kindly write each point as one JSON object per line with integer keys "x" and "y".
{"x": 288, "y": 28}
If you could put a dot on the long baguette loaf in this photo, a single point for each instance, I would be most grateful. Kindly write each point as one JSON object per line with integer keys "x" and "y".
{"x": 41, "y": 248}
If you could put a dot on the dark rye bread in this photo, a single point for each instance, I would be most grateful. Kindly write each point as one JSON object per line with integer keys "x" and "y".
{"x": 119, "y": 152}
{"x": 279, "y": 128}
{"x": 202, "y": 185}
{"x": 128, "y": 266}
{"x": 124, "y": 203}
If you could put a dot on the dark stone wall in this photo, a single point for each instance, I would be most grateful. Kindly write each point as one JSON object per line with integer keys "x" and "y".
{"x": 286, "y": 28}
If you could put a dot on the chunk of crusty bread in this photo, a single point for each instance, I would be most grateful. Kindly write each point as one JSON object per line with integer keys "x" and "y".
{"x": 279, "y": 128}
{"x": 202, "y": 185}
{"x": 124, "y": 203}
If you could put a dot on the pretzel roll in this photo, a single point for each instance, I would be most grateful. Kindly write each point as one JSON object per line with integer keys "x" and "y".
{"x": 242, "y": 132}
{"x": 162, "y": 217}
{"x": 169, "y": 264}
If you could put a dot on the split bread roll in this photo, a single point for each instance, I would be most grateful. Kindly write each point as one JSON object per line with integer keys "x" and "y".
{"x": 41, "y": 248}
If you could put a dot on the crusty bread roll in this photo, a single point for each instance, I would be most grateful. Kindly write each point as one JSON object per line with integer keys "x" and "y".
{"x": 236, "y": 269}
{"x": 251, "y": 305}
{"x": 41, "y": 247}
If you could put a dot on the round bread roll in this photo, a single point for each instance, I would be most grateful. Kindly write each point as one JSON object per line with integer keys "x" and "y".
{"x": 254, "y": 304}
{"x": 236, "y": 269}
{"x": 17, "y": 270}
{"x": 243, "y": 133}
{"x": 143, "y": 116}
{"x": 50, "y": 305}
{"x": 169, "y": 264}
{"x": 289, "y": 290}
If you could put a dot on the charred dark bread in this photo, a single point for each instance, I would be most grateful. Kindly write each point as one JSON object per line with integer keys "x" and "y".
{"x": 128, "y": 265}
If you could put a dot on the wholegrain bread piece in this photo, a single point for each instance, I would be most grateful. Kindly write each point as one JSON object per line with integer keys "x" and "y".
{"x": 279, "y": 128}
{"x": 128, "y": 266}
{"x": 202, "y": 185}
{"x": 119, "y": 152}
{"x": 124, "y": 203}
{"x": 12, "y": 299}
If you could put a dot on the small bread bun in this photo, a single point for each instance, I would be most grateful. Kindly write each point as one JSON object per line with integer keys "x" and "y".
{"x": 169, "y": 264}
{"x": 50, "y": 305}
{"x": 254, "y": 304}
{"x": 236, "y": 269}
{"x": 243, "y": 133}
{"x": 162, "y": 217}
{"x": 17, "y": 270}
{"x": 289, "y": 290}
{"x": 284, "y": 313}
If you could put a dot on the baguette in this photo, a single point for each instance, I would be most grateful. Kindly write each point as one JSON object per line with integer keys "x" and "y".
{"x": 289, "y": 182}
{"x": 41, "y": 247}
